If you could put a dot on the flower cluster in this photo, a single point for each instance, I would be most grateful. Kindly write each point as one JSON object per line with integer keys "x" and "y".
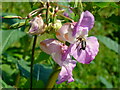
{"x": 82, "y": 48}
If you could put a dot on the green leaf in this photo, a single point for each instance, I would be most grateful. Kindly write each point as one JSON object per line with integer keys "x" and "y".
{"x": 4, "y": 85}
{"x": 9, "y": 21}
{"x": 63, "y": 3}
{"x": 6, "y": 71}
{"x": 109, "y": 43}
{"x": 114, "y": 19}
{"x": 9, "y": 37}
{"x": 105, "y": 82}
{"x": 40, "y": 72}
{"x": 102, "y": 4}
{"x": 42, "y": 56}
{"x": 38, "y": 84}
{"x": 18, "y": 24}
{"x": 113, "y": 4}
{"x": 24, "y": 68}
{"x": 11, "y": 59}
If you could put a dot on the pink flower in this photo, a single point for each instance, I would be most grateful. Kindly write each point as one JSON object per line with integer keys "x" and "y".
{"x": 57, "y": 50}
{"x": 82, "y": 48}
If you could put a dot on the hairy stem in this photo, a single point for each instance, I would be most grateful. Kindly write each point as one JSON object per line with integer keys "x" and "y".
{"x": 32, "y": 60}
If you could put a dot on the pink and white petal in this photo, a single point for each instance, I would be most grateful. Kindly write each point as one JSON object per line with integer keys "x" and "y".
{"x": 84, "y": 57}
{"x": 66, "y": 71}
{"x": 72, "y": 50}
{"x": 57, "y": 58}
{"x": 93, "y": 45}
{"x": 65, "y": 33}
{"x": 69, "y": 65}
{"x": 63, "y": 75}
{"x": 71, "y": 79}
{"x": 50, "y": 46}
{"x": 92, "y": 48}
{"x": 88, "y": 20}
{"x": 37, "y": 26}
{"x": 84, "y": 32}
{"x": 87, "y": 55}
{"x": 60, "y": 34}
{"x": 77, "y": 25}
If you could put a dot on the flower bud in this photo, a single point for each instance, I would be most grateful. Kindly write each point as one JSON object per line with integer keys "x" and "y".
{"x": 53, "y": 27}
{"x": 37, "y": 26}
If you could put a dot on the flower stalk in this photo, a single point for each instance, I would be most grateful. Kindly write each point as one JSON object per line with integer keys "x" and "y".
{"x": 47, "y": 11}
{"x": 32, "y": 60}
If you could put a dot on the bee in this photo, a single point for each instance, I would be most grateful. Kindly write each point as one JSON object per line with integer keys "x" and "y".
{"x": 83, "y": 44}
{"x": 82, "y": 41}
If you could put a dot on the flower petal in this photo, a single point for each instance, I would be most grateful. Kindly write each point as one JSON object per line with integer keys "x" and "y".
{"x": 60, "y": 34}
{"x": 52, "y": 47}
{"x": 66, "y": 71}
{"x": 87, "y": 55}
{"x": 65, "y": 33}
{"x": 86, "y": 20}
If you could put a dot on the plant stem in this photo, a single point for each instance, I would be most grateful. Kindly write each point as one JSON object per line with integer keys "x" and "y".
{"x": 17, "y": 80}
{"x": 47, "y": 12}
{"x": 81, "y": 5}
{"x": 53, "y": 77}
{"x": 32, "y": 60}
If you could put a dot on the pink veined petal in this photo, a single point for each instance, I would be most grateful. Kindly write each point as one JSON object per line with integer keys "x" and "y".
{"x": 69, "y": 65}
{"x": 77, "y": 25}
{"x": 63, "y": 75}
{"x": 93, "y": 45}
{"x": 60, "y": 34}
{"x": 71, "y": 79}
{"x": 65, "y": 33}
{"x": 72, "y": 50}
{"x": 86, "y": 20}
{"x": 66, "y": 71}
{"x": 87, "y": 55}
{"x": 84, "y": 32}
{"x": 57, "y": 58}
{"x": 84, "y": 57}
{"x": 52, "y": 47}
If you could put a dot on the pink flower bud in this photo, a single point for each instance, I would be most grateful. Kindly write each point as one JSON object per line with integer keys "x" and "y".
{"x": 37, "y": 25}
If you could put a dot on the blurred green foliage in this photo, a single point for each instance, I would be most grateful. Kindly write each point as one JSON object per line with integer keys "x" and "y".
{"x": 101, "y": 73}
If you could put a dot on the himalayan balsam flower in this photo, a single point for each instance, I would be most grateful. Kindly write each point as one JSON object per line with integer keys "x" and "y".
{"x": 82, "y": 48}
{"x": 57, "y": 50}
{"x": 37, "y": 26}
